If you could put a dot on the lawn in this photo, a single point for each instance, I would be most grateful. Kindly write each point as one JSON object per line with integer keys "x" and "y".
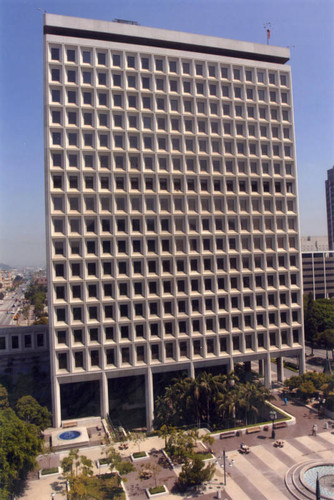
{"x": 139, "y": 454}
{"x": 52, "y": 470}
{"x": 157, "y": 489}
{"x": 204, "y": 455}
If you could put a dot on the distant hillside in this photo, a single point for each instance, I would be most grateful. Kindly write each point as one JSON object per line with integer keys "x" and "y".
{"x": 5, "y": 267}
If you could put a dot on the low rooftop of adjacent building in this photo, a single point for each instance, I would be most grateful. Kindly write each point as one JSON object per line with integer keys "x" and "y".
{"x": 314, "y": 243}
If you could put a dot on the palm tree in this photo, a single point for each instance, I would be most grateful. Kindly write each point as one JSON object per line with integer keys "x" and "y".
{"x": 251, "y": 400}
{"x": 209, "y": 387}
{"x": 227, "y": 404}
{"x": 193, "y": 399}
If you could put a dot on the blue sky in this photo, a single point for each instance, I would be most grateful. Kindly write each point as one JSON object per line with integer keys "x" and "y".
{"x": 304, "y": 25}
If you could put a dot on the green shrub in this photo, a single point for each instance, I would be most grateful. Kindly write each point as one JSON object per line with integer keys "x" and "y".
{"x": 139, "y": 454}
{"x": 104, "y": 461}
{"x": 204, "y": 456}
{"x": 194, "y": 473}
{"x": 156, "y": 490}
{"x": 52, "y": 470}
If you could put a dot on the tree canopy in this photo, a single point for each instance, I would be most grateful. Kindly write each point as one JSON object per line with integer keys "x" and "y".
{"x": 194, "y": 472}
{"x": 217, "y": 400}
{"x": 83, "y": 485}
{"x": 311, "y": 384}
{"x": 36, "y": 294}
{"x": 324, "y": 314}
{"x": 4, "y": 403}
{"x": 19, "y": 448}
{"x": 31, "y": 412}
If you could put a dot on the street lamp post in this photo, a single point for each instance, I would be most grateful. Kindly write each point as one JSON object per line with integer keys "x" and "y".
{"x": 221, "y": 461}
{"x": 224, "y": 459}
{"x": 273, "y": 417}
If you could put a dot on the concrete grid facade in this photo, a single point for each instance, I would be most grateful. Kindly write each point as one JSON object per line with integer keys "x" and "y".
{"x": 171, "y": 201}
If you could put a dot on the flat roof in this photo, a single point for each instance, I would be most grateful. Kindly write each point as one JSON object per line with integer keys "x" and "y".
{"x": 66, "y": 26}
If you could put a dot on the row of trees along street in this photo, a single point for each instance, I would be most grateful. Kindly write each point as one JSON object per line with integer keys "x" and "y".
{"x": 36, "y": 295}
{"x": 319, "y": 322}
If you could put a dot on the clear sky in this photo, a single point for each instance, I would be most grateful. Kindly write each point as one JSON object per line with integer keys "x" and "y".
{"x": 304, "y": 25}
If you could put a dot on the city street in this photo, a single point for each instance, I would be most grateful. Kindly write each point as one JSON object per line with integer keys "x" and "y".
{"x": 12, "y": 303}
{"x": 6, "y": 316}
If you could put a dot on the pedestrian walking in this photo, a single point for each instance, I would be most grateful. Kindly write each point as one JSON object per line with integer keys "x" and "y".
{"x": 314, "y": 430}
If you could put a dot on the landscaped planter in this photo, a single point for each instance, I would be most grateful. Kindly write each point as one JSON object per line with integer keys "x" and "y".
{"x": 156, "y": 491}
{"x": 139, "y": 455}
{"x": 286, "y": 417}
{"x": 102, "y": 462}
{"x": 52, "y": 471}
{"x": 170, "y": 461}
{"x": 207, "y": 456}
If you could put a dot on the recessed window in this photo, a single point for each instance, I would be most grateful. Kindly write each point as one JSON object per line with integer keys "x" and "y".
{"x": 55, "y": 54}
{"x": 70, "y": 53}
{"x": 145, "y": 63}
{"x": 101, "y": 58}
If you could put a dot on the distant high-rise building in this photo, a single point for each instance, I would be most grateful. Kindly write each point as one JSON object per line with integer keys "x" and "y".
{"x": 171, "y": 209}
{"x": 330, "y": 206}
{"x": 318, "y": 273}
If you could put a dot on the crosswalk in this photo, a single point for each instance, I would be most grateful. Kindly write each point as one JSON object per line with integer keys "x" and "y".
{"x": 260, "y": 474}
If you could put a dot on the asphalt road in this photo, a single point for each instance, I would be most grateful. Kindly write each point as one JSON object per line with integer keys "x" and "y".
{"x": 11, "y": 302}
{"x": 318, "y": 353}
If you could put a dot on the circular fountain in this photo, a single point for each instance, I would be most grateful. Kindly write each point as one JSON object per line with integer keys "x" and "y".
{"x": 301, "y": 479}
{"x": 69, "y": 435}
{"x": 325, "y": 472}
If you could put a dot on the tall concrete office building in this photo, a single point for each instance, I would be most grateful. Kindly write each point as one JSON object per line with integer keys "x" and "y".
{"x": 330, "y": 207}
{"x": 171, "y": 208}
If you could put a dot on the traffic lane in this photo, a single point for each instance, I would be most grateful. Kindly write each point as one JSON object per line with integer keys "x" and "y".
{"x": 6, "y": 316}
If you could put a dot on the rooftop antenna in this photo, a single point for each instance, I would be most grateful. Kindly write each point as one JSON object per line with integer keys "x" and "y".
{"x": 125, "y": 21}
{"x": 267, "y": 27}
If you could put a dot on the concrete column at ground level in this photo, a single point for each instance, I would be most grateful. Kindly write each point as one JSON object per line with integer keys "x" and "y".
{"x": 280, "y": 370}
{"x": 231, "y": 365}
{"x": 261, "y": 367}
{"x": 301, "y": 360}
{"x": 56, "y": 403}
{"x": 267, "y": 371}
{"x": 104, "y": 395}
{"x": 248, "y": 366}
{"x": 149, "y": 396}
{"x": 191, "y": 370}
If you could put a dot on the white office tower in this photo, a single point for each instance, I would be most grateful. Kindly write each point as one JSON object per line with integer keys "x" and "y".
{"x": 172, "y": 216}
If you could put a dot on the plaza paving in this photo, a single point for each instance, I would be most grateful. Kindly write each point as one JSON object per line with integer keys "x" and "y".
{"x": 258, "y": 475}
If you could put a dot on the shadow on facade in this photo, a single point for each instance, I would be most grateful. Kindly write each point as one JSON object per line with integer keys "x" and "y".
{"x": 80, "y": 399}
